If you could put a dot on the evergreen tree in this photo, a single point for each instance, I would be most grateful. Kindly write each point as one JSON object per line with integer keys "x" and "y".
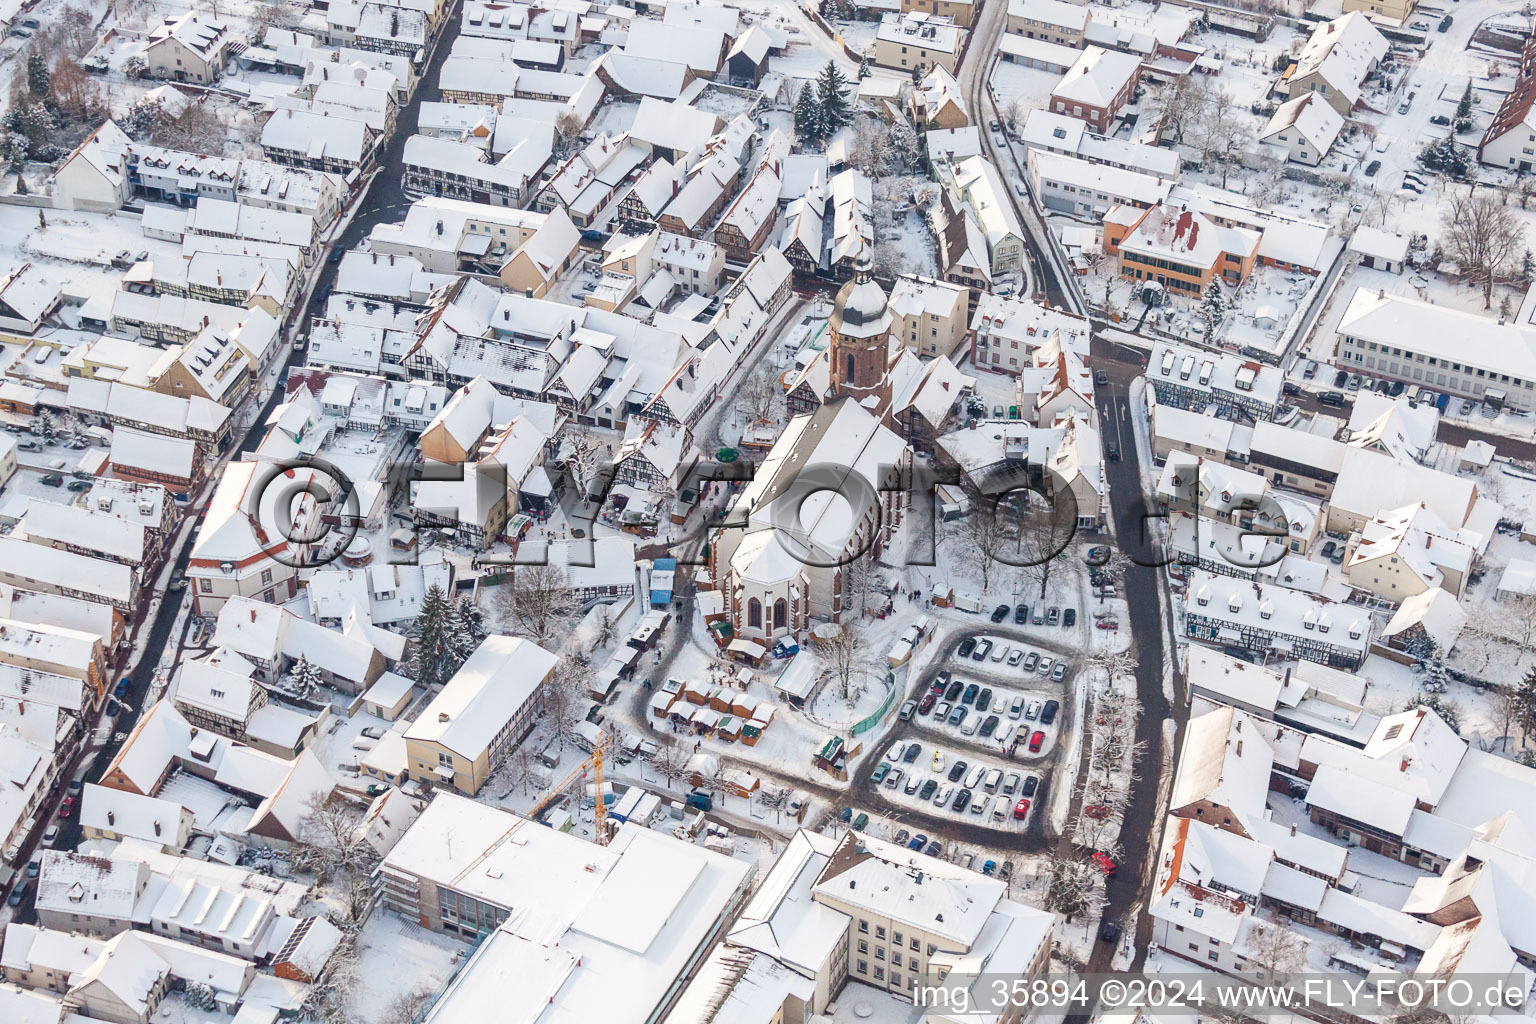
{"x": 1525, "y": 714}
{"x": 467, "y": 628}
{"x": 808, "y": 116}
{"x": 1464, "y": 108}
{"x": 1505, "y": 309}
{"x": 37, "y": 75}
{"x": 831, "y": 90}
{"x": 434, "y": 651}
{"x": 864, "y": 71}
{"x": 1527, "y": 268}
{"x": 303, "y": 678}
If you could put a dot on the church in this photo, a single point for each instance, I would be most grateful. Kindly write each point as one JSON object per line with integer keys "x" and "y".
{"x": 832, "y": 489}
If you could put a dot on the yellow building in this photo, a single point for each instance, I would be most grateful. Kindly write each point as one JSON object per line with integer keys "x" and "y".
{"x": 480, "y": 714}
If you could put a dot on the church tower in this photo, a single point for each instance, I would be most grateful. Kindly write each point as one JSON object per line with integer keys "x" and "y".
{"x": 860, "y": 349}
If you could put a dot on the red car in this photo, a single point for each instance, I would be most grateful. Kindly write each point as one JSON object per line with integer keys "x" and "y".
{"x": 937, "y": 686}
{"x": 926, "y": 705}
{"x": 1021, "y": 810}
{"x": 1102, "y": 862}
{"x": 67, "y": 807}
{"x": 1106, "y": 624}
{"x": 1096, "y": 811}
{"x": 1036, "y": 742}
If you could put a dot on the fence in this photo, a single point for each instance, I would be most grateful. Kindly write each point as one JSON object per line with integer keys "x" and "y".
{"x": 873, "y": 720}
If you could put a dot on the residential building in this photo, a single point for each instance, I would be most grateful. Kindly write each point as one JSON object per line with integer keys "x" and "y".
{"x": 1510, "y": 139}
{"x": 1097, "y": 87}
{"x": 1198, "y": 380}
{"x": 1275, "y": 621}
{"x": 927, "y": 316}
{"x": 1055, "y": 21}
{"x": 1071, "y": 185}
{"x": 1304, "y": 128}
{"x": 1336, "y": 60}
{"x": 917, "y": 42}
{"x": 190, "y": 48}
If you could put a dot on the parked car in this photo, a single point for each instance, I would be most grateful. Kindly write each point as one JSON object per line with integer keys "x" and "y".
{"x": 1310, "y": 370}
{"x": 955, "y": 687}
{"x": 1031, "y": 660}
{"x": 919, "y": 840}
{"x": 1340, "y": 378}
{"x": 902, "y": 837}
{"x": 860, "y": 822}
{"x": 957, "y": 770}
{"x": 908, "y": 709}
{"x": 933, "y": 849}
{"x": 1020, "y": 614}
{"x": 983, "y": 648}
{"x": 893, "y": 778}
{"x": 938, "y": 761}
{"x": 1109, "y": 624}
{"x": 1445, "y": 24}
{"x": 19, "y": 893}
{"x": 971, "y": 725}
{"x": 1015, "y": 656}
{"x": 1109, "y": 932}
{"x": 941, "y": 711}
{"x": 1048, "y": 713}
{"x": 1033, "y": 711}
{"x": 50, "y": 837}
{"x": 1036, "y": 742}
{"x": 989, "y": 726}
{"x": 1330, "y": 398}
{"x": 1031, "y": 783}
{"x": 957, "y": 716}
{"x": 34, "y": 868}
{"x": 1016, "y": 708}
{"x": 1290, "y": 388}
{"x": 1096, "y": 811}
{"x": 53, "y": 480}
{"x": 67, "y": 807}
{"x": 999, "y": 613}
{"x": 970, "y": 693}
{"x": 1059, "y": 673}
{"x": 966, "y": 647}
{"x": 1440, "y": 119}
{"x": 927, "y": 792}
{"x": 926, "y": 704}
{"x": 1053, "y": 616}
{"x": 1372, "y": 167}
{"x": 1046, "y": 663}
{"x": 962, "y": 800}
{"x": 1021, "y": 810}
{"x": 983, "y": 699}
{"x": 846, "y": 815}
{"x": 1102, "y": 861}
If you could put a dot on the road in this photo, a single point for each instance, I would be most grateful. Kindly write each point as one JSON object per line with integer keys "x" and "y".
{"x": 386, "y": 201}
{"x": 974, "y": 72}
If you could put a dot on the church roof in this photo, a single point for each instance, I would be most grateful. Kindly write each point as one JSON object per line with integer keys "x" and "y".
{"x": 861, "y": 304}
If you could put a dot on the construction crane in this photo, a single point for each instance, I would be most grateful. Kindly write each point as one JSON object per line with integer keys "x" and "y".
{"x": 594, "y": 761}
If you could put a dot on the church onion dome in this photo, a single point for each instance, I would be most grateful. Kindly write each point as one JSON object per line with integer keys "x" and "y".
{"x": 861, "y": 304}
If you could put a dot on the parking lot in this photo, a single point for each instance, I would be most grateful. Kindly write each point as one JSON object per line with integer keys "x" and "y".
{"x": 974, "y": 751}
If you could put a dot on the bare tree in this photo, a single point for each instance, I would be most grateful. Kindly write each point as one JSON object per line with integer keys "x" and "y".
{"x": 984, "y": 540}
{"x": 330, "y": 999}
{"x": 1181, "y": 107}
{"x": 568, "y": 129}
{"x": 671, "y": 763}
{"x": 760, "y": 393}
{"x": 1014, "y": 113}
{"x": 1072, "y": 888}
{"x": 1042, "y": 533}
{"x": 564, "y": 697}
{"x": 330, "y": 843}
{"x": 1275, "y": 950}
{"x": 404, "y": 1008}
{"x": 1221, "y": 127}
{"x": 848, "y": 653}
{"x": 1483, "y": 236}
{"x": 583, "y": 454}
{"x": 538, "y": 599}
{"x": 522, "y": 769}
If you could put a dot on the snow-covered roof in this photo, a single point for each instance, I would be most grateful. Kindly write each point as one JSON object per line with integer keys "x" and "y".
{"x": 587, "y": 921}
{"x": 1097, "y": 78}
{"x": 129, "y": 814}
{"x": 1342, "y": 51}
{"x": 1311, "y": 116}
{"x": 488, "y": 691}
{"x": 1225, "y": 761}
{"x": 90, "y": 885}
{"x": 1379, "y": 243}
{"x": 38, "y": 567}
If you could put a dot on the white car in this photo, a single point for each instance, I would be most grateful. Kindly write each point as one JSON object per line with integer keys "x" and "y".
{"x": 1045, "y": 664}
{"x": 1033, "y": 711}
{"x": 1000, "y": 652}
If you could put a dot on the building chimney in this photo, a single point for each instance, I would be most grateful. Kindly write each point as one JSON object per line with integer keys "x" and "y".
{"x": 1293, "y": 829}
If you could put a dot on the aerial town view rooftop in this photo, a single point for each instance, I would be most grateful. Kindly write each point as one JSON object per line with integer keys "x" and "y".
{"x": 767, "y": 511}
